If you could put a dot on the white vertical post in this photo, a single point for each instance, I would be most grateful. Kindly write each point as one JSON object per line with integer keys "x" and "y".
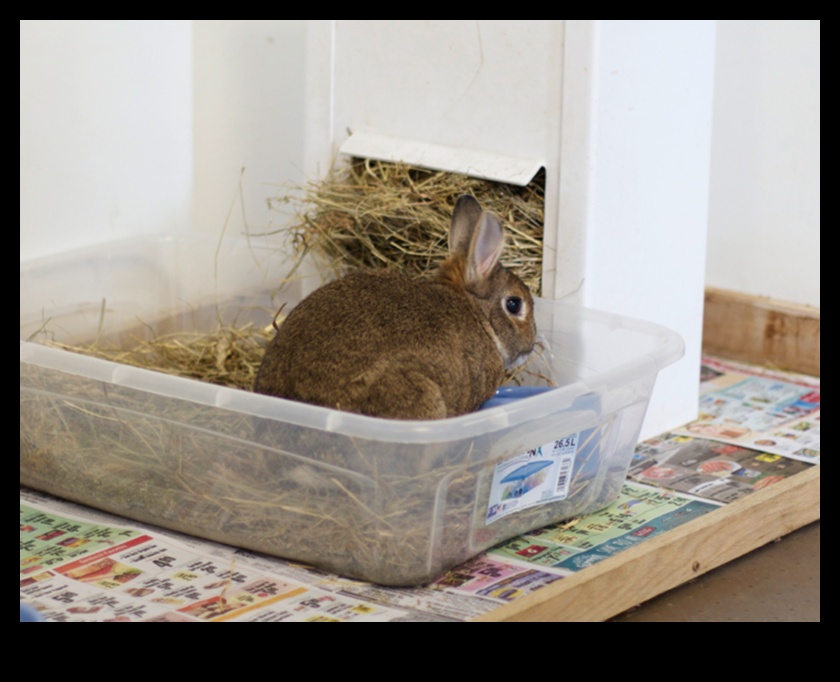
{"x": 634, "y": 182}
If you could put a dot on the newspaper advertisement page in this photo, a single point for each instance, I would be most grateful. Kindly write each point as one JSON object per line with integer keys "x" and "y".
{"x": 422, "y": 603}
{"x": 639, "y": 512}
{"x": 467, "y": 591}
{"x": 77, "y": 568}
{"x": 774, "y": 412}
{"x": 476, "y": 587}
{"x": 78, "y": 564}
{"x": 708, "y": 468}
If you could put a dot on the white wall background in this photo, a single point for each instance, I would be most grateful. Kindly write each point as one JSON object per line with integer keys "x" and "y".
{"x": 106, "y": 133}
{"x": 248, "y": 115}
{"x": 764, "y": 207}
{"x": 133, "y": 127}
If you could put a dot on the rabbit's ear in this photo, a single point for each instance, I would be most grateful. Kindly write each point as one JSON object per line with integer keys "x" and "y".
{"x": 488, "y": 240}
{"x": 464, "y": 219}
{"x": 477, "y": 237}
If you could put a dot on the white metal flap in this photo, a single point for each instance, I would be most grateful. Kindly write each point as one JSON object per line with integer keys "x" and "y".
{"x": 472, "y": 162}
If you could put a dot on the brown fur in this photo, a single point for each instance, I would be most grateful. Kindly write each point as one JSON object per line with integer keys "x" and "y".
{"x": 383, "y": 344}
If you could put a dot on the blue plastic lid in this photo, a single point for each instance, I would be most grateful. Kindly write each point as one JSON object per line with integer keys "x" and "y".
{"x": 507, "y": 394}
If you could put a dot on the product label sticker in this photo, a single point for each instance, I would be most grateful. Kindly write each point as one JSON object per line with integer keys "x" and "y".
{"x": 535, "y": 477}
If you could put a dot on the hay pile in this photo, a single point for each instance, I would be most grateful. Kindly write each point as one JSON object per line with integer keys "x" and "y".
{"x": 389, "y": 215}
{"x": 230, "y": 355}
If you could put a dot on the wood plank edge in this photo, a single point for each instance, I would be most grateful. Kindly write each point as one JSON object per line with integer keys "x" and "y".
{"x": 666, "y": 561}
{"x": 762, "y": 330}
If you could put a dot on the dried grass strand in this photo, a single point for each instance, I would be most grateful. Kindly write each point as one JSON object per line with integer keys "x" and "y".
{"x": 377, "y": 214}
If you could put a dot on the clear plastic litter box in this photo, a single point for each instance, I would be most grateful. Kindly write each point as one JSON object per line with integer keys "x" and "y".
{"x": 393, "y": 502}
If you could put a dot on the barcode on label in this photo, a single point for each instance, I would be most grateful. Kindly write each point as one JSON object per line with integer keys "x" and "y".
{"x": 563, "y": 475}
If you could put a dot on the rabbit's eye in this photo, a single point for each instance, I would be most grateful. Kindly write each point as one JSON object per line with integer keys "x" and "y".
{"x": 513, "y": 304}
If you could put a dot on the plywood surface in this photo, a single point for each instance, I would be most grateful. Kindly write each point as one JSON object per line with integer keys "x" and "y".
{"x": 762, "y": 330}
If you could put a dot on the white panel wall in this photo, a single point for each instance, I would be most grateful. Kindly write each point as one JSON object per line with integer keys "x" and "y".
{"x": 106, "y": 134}
{"x": 249, "y": 79}
{"x": 105, "y": 131}
{"x": 634, "y": 183}
{"x": 133, "y": 127}
{"x": 764, "y": 220}
{"x": 489, "y": 85}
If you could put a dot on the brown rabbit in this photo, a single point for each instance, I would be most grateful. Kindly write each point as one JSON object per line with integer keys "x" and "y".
{"x": 383, "y": 344}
